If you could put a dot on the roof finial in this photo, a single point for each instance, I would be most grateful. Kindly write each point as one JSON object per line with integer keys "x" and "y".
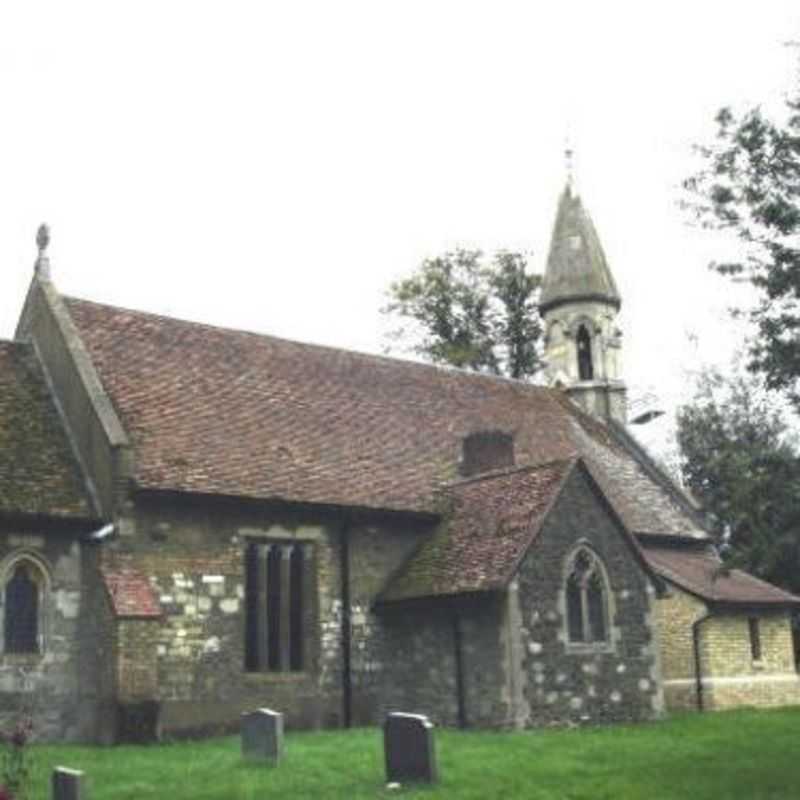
{"x": 42, "y": 266}
{"x": 569, "y": 155}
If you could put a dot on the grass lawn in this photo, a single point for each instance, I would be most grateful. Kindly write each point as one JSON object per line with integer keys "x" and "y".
{"x": 740, "y": 754}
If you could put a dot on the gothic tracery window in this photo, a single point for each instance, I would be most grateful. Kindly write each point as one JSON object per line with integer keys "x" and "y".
{"x": 22, "y": 603}
{"x": 586, "y": 599}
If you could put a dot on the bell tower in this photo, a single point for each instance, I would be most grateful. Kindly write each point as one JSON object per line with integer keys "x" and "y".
{"x": 579, "y": 306}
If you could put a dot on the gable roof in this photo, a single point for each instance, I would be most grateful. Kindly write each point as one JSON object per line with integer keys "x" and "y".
{"x": 38, "y": 472}
{"x": 700, "y": 573}
{"x": 494, "y": 519}
{"x": 216, "y": 411}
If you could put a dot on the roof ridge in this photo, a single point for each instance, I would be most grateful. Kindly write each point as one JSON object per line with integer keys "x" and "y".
{"x": 505, "y": 471}
{"x": 425, "y": 365}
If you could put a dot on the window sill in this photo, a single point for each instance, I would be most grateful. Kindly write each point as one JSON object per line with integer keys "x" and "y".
{"x": 588, "y": 648}
{"x": 276, "y": 677}
{"x": 21, "y": 659}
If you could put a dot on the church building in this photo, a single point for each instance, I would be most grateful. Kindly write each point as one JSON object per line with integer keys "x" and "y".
{"x": 197, "y": 521}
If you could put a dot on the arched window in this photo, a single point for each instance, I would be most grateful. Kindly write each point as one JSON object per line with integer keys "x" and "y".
{"x": 23, "y": 596}
{"x": 586, "y": 599}
{"x": 585, "y": 368}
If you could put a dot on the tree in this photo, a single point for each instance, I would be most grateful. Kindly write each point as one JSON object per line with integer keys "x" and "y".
{"x": 740, "y": 460}
{"x": 750, "y": 186}
{"x": 471, "y": 314}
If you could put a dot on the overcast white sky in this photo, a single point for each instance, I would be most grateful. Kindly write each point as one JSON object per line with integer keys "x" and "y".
{"x": 274, "y": 166}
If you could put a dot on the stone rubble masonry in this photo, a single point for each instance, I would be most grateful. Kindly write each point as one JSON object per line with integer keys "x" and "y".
{"x": 562, "y": 682}
{"x": 47, "y": 686}
{"x": 193, "y": 554}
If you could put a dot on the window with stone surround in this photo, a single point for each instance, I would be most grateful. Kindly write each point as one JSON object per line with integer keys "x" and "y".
{"x": 755, "y": 638}
{"x": 23, "y": 605}
{"x": 275, "y": 574}
{"x": 586, "y": 599}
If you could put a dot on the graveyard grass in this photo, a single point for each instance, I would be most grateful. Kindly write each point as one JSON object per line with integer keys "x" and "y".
{"x": 745, "y": 753}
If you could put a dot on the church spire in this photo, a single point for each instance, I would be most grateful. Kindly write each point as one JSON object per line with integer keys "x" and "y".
{"x": 579, "y": 303}
{"x": 576, "y": 266}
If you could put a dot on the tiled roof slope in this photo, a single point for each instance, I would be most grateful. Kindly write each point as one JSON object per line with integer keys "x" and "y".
{"x": 38, "y": 473}
{"x": 130, "y": 593}
{"x": 699, "y": 573}
{"x": 493, "y": 520}
{"x": 217, "y": 411}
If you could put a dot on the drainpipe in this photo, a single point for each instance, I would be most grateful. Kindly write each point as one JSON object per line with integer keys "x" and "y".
{"x": 458, "y": 655}
{"x": 347, "y": 682}
{"x": 698, "y": 662}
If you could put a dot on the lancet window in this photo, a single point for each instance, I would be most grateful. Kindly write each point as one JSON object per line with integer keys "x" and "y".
{"x": 275, "y": 601}
{"x": 23, "y": 602}
{"x": 585, "y": 365}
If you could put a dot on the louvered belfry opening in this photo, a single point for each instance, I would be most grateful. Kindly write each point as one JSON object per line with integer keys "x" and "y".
{"x": 484, "y": 451}
{"x": 274, "y": 606}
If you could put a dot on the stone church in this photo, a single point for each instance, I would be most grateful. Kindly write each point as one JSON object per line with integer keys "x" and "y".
{"x": 196, "y": 521}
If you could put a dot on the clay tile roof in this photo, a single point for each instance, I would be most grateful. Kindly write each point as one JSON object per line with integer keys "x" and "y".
{"x": 130, "y": 593}
{"x": 699, "y": 572}
{"x": 217, "y": 411}
{"x": 38, "y": 473}
{"x": 493, "y": 521}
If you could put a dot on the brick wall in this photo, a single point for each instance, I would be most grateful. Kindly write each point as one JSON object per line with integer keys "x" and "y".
{"x": 732, "y": 677}
{"x": 675, "y": 614}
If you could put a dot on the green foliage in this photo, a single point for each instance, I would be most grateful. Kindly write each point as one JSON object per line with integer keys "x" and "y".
{"x": 750, "y": 187}
{"x": 739, "y": 460}
{"x": 15, "y": 761}
{"x": 471, "y": 314}
{"x": 686, "y": 757}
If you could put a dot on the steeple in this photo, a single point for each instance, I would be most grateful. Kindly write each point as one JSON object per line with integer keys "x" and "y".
{"x": 579, "y": 305}
{"x": 576, "y": 266}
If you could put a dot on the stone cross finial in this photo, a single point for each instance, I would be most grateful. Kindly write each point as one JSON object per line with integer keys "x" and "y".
{"x": 42, "y": 266}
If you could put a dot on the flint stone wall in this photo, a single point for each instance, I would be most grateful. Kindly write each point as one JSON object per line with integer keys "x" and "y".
{"x": 560, "y": 683}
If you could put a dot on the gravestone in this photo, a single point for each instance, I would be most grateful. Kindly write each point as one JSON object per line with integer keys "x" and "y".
{"x": 68, "y": 784}
{"x": 262, "y": 735}
{"x": 409, "y": 749}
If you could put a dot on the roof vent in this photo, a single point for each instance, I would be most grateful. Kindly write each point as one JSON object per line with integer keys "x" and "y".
{"x": 483, "y": 451}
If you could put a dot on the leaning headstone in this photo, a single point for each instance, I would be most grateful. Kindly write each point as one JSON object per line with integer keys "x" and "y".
{"x": 68, "y": 784}
{"x": 408, "y": 748}
{"x": 262, "y": 735}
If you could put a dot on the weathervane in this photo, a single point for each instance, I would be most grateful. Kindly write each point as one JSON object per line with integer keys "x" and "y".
{"x": 42, "y": 266}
